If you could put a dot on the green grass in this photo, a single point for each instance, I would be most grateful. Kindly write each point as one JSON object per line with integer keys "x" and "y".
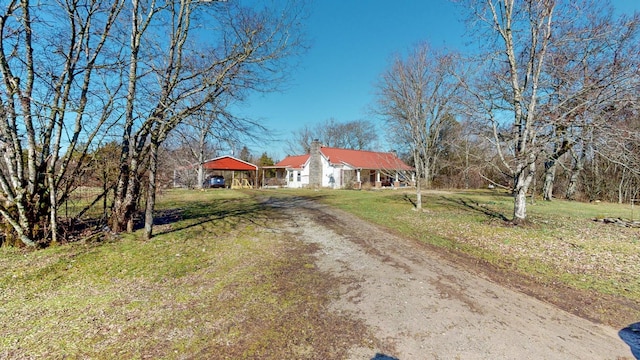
{"x": 220, "y": 281}
{"x": 214, "y": 283}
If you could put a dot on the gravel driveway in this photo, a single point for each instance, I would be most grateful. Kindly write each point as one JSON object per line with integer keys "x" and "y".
{"x": 422, "y": 306}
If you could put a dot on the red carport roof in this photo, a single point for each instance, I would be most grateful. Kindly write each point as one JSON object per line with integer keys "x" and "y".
{"x": 229, "y": 163}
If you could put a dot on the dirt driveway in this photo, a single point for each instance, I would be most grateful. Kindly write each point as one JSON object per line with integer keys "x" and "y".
{"x": 422, "y": 306}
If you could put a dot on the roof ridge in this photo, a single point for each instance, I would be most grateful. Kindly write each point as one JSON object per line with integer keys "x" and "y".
{"x": 370, "y": 151}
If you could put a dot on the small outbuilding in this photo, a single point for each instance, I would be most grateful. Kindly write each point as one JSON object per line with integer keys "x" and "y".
{"x": 226, "y": 164}
{"x": 217, "y": 172}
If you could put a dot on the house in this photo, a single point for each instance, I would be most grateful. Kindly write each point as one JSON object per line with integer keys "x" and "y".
{"x": 343, "y": 168}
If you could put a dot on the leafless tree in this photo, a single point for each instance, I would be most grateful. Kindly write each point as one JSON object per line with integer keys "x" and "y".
{"x": 206, "y": 132}
{"x": 174, "y": 75}
{"x": 190, "y": 145}
{"x": 622, "y": 153}
{"x": 58, "y": 95}
{"x": 416, "y": 97}
{"x": 462, "y": 159}
{"x": 300, "y": 141}
{"x": 550, "y": 64}
{"x": 591, "y": 77}
{"x": 75, "y": 72}
{"x": 515, "y": 79}
{"x": 356, "y": 135}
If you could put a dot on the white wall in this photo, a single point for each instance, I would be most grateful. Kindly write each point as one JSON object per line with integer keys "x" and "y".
{"x": 327, "y": 172}
{"x": 303, "y": 175}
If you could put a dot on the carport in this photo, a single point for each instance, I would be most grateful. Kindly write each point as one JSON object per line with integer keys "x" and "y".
{"x": 229, "y": 163}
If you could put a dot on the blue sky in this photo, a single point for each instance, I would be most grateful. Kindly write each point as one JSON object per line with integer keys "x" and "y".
{"x": 352, "y": 43}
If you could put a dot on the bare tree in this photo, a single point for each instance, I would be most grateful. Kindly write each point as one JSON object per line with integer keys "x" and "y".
{"x": 205, "y": 132}
{"x": 171, "y": 77}
{"x": 57, "y": 98}
{"x": 416, "y": 98}
{"x": 65, "y": 72}
{"x": 191, "y": 144}
{"x": 461, "y": 160}
{"x": 356, "y": 134}
{"x": 516, "y": 94}
{"x": 590, "y": 80}
{"x": 300, "y": 141}
{"x": 516, "y": 79}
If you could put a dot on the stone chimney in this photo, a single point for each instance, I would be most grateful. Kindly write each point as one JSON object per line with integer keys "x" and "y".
{"x": 315, "y": 165}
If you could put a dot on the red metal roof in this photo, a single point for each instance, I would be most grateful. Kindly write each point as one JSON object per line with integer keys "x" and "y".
{"x": 358, "y": 159}
{"x": 229, "y": 163}
{"x": 361, "y": 159}
{"x": 296, "y": 162}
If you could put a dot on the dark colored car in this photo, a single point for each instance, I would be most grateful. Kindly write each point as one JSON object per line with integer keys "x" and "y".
{"x": 216, "y": 181}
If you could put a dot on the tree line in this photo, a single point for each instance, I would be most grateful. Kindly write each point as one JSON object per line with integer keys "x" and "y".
{"x": 547, "y": 104}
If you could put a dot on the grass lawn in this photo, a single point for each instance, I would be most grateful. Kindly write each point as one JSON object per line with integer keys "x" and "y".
{"x": 214, "y": 283}
{"x": 219, "y": 280}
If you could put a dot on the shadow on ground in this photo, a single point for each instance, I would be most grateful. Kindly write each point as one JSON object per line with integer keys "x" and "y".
{"x": 256, "y": 209}
{"x": 476, "y": 207}
{"x": 195, "y": 214}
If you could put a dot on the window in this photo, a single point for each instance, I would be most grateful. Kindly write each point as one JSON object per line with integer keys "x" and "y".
{"x": 299, "y": 176}
{"x": 290, "y": 175}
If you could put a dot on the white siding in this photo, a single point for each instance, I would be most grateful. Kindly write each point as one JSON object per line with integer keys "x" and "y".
{"x": 298, "y": 178}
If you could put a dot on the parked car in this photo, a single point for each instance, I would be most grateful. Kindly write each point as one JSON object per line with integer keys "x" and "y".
{"x": 216, "y": 181}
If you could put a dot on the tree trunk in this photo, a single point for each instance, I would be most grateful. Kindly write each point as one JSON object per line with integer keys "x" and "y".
{"x": 122, "y": 200}
{"x": 201, "y": 148}
{"x": 427, "y": 173}
{"x": 19, "y": 227}
{"x": 53, "y": 219}
{"x": 550, "y": 167}
{"x": 417, "y": 161}
{"x": 118, "y": 215}
{"x": 200, "y": 176}
{"x": 466, "y": 164}
{"x": 522, "y": 182}
{"x": 418, "y": 194}
{"x": 126, "y": 199}
{"x": 151, "y": 193}
{"x": 520, "y": 205}
{"x": 621, "y": 188}
{"x": 572, "y": 188}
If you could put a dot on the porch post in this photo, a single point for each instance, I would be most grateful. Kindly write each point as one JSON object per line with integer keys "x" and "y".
{"x": 396, "y": 181}
{"x": 378, "y": 182}
{"x": 358, "y": 179}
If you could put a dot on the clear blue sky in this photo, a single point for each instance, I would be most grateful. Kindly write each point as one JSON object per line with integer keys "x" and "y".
{"x": 352, "y": 43}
